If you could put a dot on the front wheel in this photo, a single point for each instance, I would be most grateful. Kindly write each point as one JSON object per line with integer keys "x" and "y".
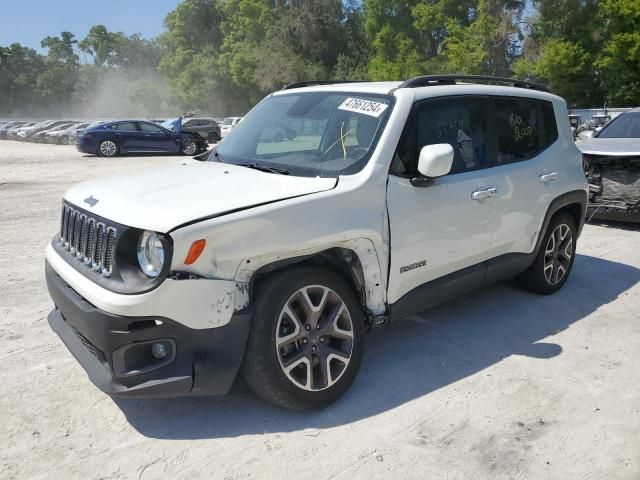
{"x": 189, "y": 147}
{"x": 305, "y": 345}
{"x": 553, "y": 263}
{"x": 108, "y": 148}
{"x": 213, "y": 137}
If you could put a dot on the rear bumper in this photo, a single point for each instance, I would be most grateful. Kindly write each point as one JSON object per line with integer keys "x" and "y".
{"x": 86, "y": 146}
{"x": 116, "y": 351}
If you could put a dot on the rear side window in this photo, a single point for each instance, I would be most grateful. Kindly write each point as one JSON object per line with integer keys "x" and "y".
{"x": 524, "y": 128}
{"x": 127, "y": 126}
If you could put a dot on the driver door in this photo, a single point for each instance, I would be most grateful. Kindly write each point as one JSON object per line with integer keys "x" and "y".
{"x": 443, "y": 230}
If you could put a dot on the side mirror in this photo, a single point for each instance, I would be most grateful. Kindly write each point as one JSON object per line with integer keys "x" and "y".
{"x": 586, "y": 134}
{"x": 434, "y": 161}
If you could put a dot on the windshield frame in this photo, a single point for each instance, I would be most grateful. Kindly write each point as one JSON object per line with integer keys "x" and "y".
{"x": 352, "y": 169}
{"x": 611, "y": 122}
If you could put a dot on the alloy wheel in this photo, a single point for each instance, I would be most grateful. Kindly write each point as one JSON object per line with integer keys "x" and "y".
{"x": 314, "y": 338}
{"x": 189, "y": 148}
{"x": 558, "y": 254}
{"x": 108, "y": 148}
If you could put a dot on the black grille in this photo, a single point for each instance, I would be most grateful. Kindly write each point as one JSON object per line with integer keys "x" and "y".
{"x": 88, "y": 239}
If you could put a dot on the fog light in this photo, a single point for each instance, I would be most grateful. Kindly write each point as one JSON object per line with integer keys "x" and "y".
{"x": 159, "y": 350}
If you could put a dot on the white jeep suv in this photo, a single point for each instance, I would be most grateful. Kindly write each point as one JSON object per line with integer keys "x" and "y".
{"x": 274, "y": 257}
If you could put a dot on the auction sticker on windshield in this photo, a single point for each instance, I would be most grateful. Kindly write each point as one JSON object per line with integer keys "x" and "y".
{"x": 367, "y": 107}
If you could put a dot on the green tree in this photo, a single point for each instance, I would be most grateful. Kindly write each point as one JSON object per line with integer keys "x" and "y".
{"x": 99, "y": 43}
{"x": 192, "y": 41}
{"x": 619, "y": 61}
{"x": 19, "y": 70}
{"x": 55, "y": 84}
{"x": 395, "y": 40}
{"x": 562, "y": 48}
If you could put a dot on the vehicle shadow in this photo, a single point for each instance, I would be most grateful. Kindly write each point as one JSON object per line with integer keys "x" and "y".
{"x": 409, "y": 359}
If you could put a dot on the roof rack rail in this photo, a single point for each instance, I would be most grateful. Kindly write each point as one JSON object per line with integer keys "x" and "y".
{"x": 311, "y": 83}
{"x": 431, "y": 80}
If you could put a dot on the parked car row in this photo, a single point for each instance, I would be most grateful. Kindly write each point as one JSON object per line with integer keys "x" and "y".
{"x": 48, "y": 131}
{"x": 189, "y": 136}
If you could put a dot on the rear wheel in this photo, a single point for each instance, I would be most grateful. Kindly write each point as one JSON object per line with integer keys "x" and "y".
{"x": 305, "y": 345}
{"x": 213, "y": 137}
{"x": 108, "y": 148}
{"x": 553, "y": 263}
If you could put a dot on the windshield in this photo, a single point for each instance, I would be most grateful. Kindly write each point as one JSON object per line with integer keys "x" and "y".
{"x": 626, "y": 125}
{"x": 227, "y": 121}
{"x": 308, "y": 134}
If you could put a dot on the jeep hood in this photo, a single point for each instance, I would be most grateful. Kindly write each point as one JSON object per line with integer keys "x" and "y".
{"x": 610, "y": 146}
{"x": 165, "y": 198}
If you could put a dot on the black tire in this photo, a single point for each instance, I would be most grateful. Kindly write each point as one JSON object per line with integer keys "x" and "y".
{"x": 190, "y": 147}
{"x": 213, "y": 137}
{"x": 534, "y": 279}
{"x": 279, "y": 137}
{"x": 261, "y": 367}
{"x": 105, "y": 149}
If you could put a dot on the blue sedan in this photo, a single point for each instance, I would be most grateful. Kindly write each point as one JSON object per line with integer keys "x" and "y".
{"x": 137, "y": 136}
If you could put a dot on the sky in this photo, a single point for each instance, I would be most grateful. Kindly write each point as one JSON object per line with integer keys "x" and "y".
{"x": 29, "y": 21}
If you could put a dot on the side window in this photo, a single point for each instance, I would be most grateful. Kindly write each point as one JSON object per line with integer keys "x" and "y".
{"x": 127, "y": 126}
{"x": 147, "y": 127}
{"x": 460, "y": 122}
{"x": 524, "y": 126}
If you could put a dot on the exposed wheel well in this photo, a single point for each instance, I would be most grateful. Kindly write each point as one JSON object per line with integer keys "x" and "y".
{"x": 342, "y": 261}
{"x": 576, "y": 211}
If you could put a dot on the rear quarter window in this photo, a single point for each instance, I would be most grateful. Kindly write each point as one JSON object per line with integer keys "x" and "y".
{"x": 525, "y": 127}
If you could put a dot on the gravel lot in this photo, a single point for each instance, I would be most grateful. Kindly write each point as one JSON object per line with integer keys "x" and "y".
{"x": 502, "y": 384}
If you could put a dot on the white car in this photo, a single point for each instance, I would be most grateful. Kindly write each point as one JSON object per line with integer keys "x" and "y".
{"x": 66, "y": 136}
{"x": 227, "y": 125}
{"x": 611, "y": 160}
{"x": 274, "y": 259}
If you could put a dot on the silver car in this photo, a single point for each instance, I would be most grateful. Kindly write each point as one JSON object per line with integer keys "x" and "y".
{"x": 611, "y": 160}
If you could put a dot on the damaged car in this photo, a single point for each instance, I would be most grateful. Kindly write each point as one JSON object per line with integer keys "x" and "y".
{"x": 272, "y": 260}
{"x": 611, "y": 161}
{"x": 207, "y": 128}
{"x": 121, "y": 137}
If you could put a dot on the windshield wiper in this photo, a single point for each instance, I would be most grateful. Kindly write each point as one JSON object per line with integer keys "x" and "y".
{"x": 266, "y": 168}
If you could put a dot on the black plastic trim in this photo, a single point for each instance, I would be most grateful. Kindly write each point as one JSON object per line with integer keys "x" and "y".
{"x": 432, "y": 80}
{"x": 313, "y": 83}
{"x": 206, "y": 360}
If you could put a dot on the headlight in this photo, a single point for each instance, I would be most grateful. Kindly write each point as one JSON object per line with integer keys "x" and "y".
{"x": 150, "y": 254}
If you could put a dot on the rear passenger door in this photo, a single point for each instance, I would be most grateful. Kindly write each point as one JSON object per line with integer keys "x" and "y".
{"x": 524, "y": 170}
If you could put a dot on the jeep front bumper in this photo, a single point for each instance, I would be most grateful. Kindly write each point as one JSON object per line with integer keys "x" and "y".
{"x": 117, "y": 351}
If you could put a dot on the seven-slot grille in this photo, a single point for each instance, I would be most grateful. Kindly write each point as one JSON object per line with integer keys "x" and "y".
{"x": 88, "y": 239}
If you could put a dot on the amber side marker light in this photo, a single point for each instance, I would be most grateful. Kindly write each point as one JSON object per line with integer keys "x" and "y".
{"x": 195, "y": 250}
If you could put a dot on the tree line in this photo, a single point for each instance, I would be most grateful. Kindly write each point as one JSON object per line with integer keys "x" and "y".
{"x": 223, "y": 56}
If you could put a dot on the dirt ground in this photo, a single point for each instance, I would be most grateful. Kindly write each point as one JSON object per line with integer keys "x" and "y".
{"x": 500, "y": 384}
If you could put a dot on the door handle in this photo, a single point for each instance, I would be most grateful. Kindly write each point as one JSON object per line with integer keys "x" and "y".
{"x": 547, "y": 177}
{"x": 480, "y": 194}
